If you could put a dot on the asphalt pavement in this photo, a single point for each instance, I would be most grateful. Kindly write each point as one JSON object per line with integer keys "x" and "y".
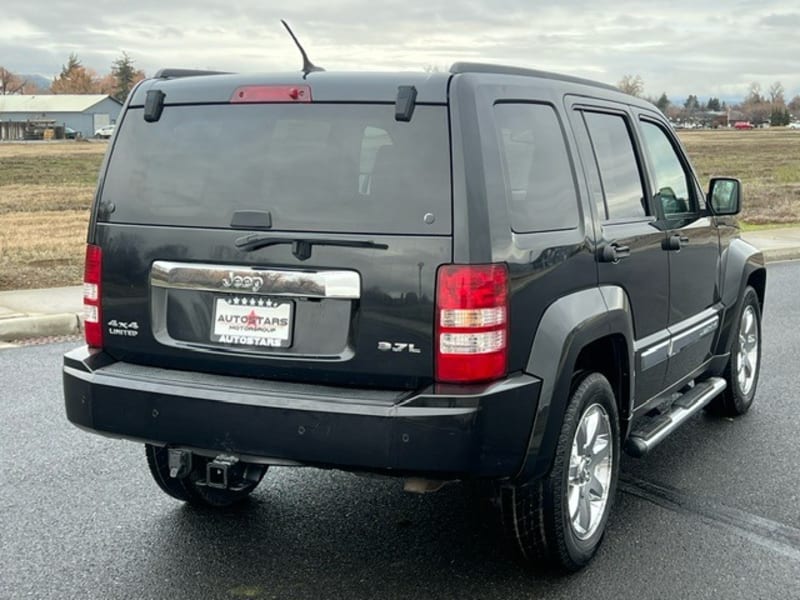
{"x": 713, "y": 512}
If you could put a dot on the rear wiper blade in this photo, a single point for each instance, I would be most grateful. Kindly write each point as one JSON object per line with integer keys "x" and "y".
{"x": 301, "y": 248}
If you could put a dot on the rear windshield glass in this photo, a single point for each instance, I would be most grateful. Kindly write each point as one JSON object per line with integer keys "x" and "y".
{"x": 313, "y": 167}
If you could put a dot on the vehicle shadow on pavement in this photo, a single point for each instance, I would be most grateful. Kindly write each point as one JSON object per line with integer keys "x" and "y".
{"x": 298, "y": 536}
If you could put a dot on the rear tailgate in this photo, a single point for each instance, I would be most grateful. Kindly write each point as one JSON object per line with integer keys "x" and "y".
{"x": 284, "y": 241}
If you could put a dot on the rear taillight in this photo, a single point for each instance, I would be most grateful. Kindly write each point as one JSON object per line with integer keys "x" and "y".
{"x": 471, "y": 323}
{"x": 92, "y": 283}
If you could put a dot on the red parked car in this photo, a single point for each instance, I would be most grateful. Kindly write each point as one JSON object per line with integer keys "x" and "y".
{"x": 742, "y": 125}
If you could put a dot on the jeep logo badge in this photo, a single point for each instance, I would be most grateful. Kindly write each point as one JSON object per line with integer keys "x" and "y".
{"x": 239, "y": 282}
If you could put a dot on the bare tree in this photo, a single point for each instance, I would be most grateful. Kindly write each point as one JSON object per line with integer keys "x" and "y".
{"x": 776, "y": 94}
{"x": 632, "y": 84}
{"x": 757, "y": 112}
{"x": 794, "y": 105}
{"x": 754, "y": 94}
{"x": 11, "y": 83}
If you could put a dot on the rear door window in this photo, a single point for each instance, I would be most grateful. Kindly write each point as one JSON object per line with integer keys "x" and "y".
{"x": 619, "y": 169}
{"x": 313, "y": 167}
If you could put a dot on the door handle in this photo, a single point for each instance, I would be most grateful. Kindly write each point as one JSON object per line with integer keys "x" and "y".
{"x": 614, "y": 252}
{"x": 675, "y": 242}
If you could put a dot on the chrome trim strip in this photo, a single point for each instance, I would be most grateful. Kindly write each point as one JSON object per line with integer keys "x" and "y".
{"x": 655, "y": 355}
{"x": 695, "y": 334}
{"x": 690, "y": 322}
{"x": 268, "y": 400}
{"x": 344, "y": 285}
{"x": 678, "y": 336}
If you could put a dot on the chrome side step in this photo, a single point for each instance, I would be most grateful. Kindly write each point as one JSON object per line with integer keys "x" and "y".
{"x": 655, "y": 429}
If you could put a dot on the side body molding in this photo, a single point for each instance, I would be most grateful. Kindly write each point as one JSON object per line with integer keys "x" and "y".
{"x": 567, "y": 326}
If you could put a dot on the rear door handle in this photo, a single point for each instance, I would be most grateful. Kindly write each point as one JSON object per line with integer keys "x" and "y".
{"x": 614, "y": 252}
{"x": 676, "y": 242}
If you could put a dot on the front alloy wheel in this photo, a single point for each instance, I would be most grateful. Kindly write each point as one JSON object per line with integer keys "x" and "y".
{"x": 744, "y": 364}
{"x": 747, "y": 367}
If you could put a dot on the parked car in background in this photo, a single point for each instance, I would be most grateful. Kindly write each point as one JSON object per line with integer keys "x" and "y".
{"x": 71, "y": 134}
{"x": 743, "y": 125}
{"x": 105, "y": 132}
{"x": 795, "y": 125}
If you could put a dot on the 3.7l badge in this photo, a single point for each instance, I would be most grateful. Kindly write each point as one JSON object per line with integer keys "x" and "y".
{"x": 398, "y": 347}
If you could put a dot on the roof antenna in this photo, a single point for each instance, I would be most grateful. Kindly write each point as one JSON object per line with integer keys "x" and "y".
{"x": 308, "y": 66}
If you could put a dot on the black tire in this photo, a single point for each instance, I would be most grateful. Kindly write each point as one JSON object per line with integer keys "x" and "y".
{"x": 186, "y": 489}
{"x": 734, "y": 400}
{"x": 536, "y": 517}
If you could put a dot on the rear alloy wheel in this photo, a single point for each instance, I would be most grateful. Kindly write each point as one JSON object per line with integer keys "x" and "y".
{"x": 589, "y": 478}
{"x": 741, "y": 373}
{"x": 561, "y": 519}
{"x": 191, "y": 488}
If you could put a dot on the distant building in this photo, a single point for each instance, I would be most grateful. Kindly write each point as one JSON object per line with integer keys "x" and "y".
{"x": 85, "y": 113}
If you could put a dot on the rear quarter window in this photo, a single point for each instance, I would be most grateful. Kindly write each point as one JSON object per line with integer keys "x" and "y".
{"x": 541, "y": 190}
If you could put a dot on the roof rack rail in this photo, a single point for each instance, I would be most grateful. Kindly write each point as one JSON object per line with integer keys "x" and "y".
{"x": 174, "y": 73}
{"x": 469, "y": 67}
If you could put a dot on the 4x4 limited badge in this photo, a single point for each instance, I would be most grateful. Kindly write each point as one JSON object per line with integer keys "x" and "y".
{"x": 242, "y": 282}
{"x": 125, "y": 328}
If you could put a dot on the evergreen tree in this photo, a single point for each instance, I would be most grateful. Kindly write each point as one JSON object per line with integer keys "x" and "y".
{"x": 663, "y": 102}
{"x": 125, "y": 76}
{"x": 692, "y": 104}
{"x": 74, "y": 78}
{"x": 780, "y": 116}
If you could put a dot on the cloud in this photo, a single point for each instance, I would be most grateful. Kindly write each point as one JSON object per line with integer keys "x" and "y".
{"x": 787, "y": 20}
{"x": 681, "y": 47}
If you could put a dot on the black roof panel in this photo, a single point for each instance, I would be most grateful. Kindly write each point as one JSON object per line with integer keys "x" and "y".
{"x": 188, "y": 87}
{"x": 325, "y": 86}
{"x": 468, "y": 67}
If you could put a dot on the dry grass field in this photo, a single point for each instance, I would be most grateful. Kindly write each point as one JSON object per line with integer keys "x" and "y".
{"x": 45, "y": 194}
{"x": 46, "y": 191}
{"x": 766, "y": 160}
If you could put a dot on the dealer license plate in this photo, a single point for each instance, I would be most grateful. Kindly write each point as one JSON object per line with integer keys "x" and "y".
{"x": 252, "y": 321}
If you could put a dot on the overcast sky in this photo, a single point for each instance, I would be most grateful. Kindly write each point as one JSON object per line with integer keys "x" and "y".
{"x": 680, "y": 46}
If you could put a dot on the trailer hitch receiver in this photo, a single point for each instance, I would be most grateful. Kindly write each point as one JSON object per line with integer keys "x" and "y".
{"x": 218, "y": 471}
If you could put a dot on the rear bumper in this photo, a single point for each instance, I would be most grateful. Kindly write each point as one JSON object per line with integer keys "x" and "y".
{"x": 456, "y": 431}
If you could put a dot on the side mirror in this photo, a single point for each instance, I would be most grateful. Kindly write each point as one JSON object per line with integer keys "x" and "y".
{"x": 725, "y": 195}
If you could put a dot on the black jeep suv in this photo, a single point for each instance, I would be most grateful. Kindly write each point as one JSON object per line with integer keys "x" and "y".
{"x": 489, "y": 274}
